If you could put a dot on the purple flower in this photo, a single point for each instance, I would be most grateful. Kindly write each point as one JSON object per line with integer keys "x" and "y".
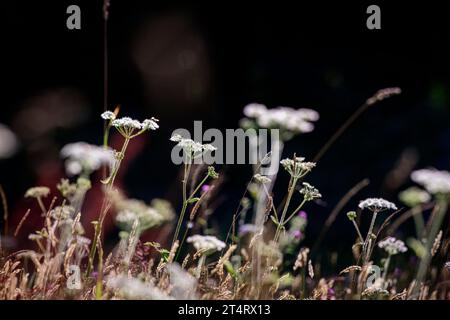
{"x": 206, "y": 188}
{"x": 302, "y": 214}
{"x": 447, "y": 265}
{"x": 247, "y": 228}
{"x": 297, "y": 234}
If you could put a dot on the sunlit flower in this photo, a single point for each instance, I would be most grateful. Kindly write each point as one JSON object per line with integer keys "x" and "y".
{"x": 290, "y": 121}
{"x": 108, "y": 115}
{"x": 392, "y": 246}
{"x": 37, "y": 192}
{"x": 85, "y": 158}
{"x": 191, "y": 148}
{"x": 261, "y": 179}
{"x": 414, "y": 196}
{"x": 434, "y": 181}
{"x": 377, "y": 204}
{"x": 207, "y": 244}
{"x": 309, "y": 192}
{"x": 297, "y": 167}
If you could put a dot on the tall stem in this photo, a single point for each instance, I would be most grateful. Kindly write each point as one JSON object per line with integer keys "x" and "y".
{"x": 292, "y": 184}
{"x": 105, "y": 207}
{"x": 386, "y": 269}
{"x": 187, "y": 168}
{"x": 369, "y": 234}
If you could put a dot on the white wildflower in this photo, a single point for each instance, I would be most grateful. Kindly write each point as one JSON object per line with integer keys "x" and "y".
{"x": 135, "y": 289}
{"x": 85, "y": 158}
{"x": 183, "y": 284}
{"x": 434, "y": 181}
{"x": 296, "y": 167}
{"x": 37, "y": 192}
{"x": 191, "y": 148}
{"x": 207, "y": 244}
{"x": 414, "y": 196}
{"x": 150, "y": 124}
{"x": 309, "y": 192}
{"x": 283, "y": 118}
{"x": 392, "y": 246}
{"x": 108, "y": 115}
{"x": 261, "y": 179}
{"x": 8, "y": 142}
{"x": 254, "y": 110}
{"x": 377, "y": 204}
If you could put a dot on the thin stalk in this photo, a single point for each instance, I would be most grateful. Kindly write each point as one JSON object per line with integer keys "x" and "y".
{"x": 358, "y": 231}
{"x": 418, "y": 221}
{"x": 442, "y": 207}
{"x": 369, "y": 234}
{"x": 386, "y": 268}
{"x": 295, "y": 211}
{"x": 106, "y": 204}
{"x": 292, "y": 184}
{"x": 187, "y": 168}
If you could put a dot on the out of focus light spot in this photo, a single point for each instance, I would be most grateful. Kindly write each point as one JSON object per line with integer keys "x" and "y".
{"x": 8, "y": 142}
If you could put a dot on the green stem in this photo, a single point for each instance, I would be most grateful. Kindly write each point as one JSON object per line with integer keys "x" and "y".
{"x": 105, "y": 207}
{"x": 426, "y": 259}
{"x": 295, "y": 211}
{"x": 369, "y": 234}
{"x": 187, "y": 168}
{"x": 418, "y": 221}
{"x": 358, "y": 231}
{"x": 292, "y": 184}
{"x": 386, "y": 269}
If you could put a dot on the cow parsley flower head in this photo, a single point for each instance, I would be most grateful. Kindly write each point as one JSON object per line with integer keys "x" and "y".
{"x": 297, "y": 167}
{"x": 434, "y": 181}
{"x": 309, "y": 192}
{"x": 191, "y": 148}
{"x": 392, "y": 246}
{"x": 414, "y": 196}
{"x": 377, "y": 204}
{"x": 447, "y": 265}
{"x": 84, "y": 158}
{"x": 261, "y": 179}
{"x": 290, "y": 121}
{"x": 37, "y": 192}
{"x": 108, "y": 115}
{"x": 206, "y": 244}
{"x": 150, "y": 124}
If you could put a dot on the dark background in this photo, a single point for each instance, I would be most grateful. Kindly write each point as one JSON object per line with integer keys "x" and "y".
{"x": 206, "y": 61}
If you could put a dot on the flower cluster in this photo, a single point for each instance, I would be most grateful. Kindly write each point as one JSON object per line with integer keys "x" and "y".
{"x": 392, "y": 246}
{"x": 434, "y": 181}
{"x": 206, "y": 244}
{"x": 297, "y": 167}
{"x": 377, "y": 204}
{"x": 84, "y": 158}
{"x": 414, "y": 196}
{"x": 37, "y": 192}
{"x": 309, "y": 192}
{"x": 191, "y": 148}
{"x": 129, "y": 127}
{"x": 261, "y": 179}
{"x": 130, "y": 210}
{"x": 287, "y": 119}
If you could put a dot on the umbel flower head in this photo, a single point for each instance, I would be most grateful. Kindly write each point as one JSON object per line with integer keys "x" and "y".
{"x": 414, "y": 196}
{"x": 434, "y": 181}
{"x": 128, "y": 127}
{"x": 377, "y": 204}
{"x": 297, "y": 167}
{"x": 392, "y": 246}
{"x": 191, "y": 148}
{"x": 37, "y": 192}
{"x": 309, "y": 192}
{"x": 290, "y": 121}
{"x": 84, "y": 158}
{"x": 206, "y": 244}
